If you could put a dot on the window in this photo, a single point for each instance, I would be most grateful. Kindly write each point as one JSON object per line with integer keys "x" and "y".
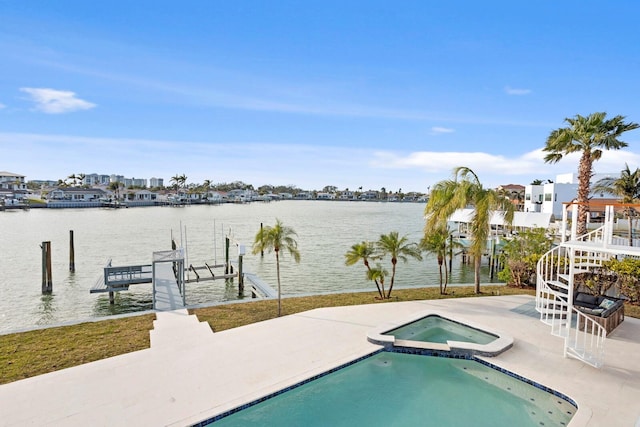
{"x": 527, "y": 196}
{"x": 547, "y": 197}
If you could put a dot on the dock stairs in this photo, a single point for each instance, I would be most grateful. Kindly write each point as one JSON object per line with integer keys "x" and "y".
{"x": 584, "y": 338}
{"x": 178, "y": 329}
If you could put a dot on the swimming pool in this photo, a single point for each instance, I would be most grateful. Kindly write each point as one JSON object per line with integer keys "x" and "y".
{"x": 399, "y": 389}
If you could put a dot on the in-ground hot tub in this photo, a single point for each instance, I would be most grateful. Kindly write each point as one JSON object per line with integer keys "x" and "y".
{"x": 433, "y": 331}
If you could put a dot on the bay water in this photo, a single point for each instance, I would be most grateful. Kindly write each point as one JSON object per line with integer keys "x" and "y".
{"x": 326, "y": 230}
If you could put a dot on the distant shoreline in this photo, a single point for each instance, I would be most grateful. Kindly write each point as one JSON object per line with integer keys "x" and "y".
{"x": 136, "y": 204}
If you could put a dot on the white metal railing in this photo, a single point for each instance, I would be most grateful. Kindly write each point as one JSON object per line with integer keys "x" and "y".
{"x": 585, "y": 340}
{"x": 553, "y": 289}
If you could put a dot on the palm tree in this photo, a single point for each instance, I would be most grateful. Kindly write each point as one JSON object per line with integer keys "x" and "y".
{"x": 590, "y": 136}
{"x": 364, "y": 251}
{"x": 175, "y": 182}
{"x": 275, "y": 239}
{"x": 115, "y": 187}
{"x": 73, "y": 178}
{"x": 378, "y": 274}
{"x": 466, "y": 190}
{"x": 627, "y": 187}
{"x": 398, "y": 248}
{"x": 437, "y": 242}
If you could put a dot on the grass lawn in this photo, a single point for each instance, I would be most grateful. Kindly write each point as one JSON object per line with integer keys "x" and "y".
{"x": 27, "y": 354}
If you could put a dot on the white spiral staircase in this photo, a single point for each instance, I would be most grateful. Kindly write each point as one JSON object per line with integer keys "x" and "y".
{"x": 584, "y": 339}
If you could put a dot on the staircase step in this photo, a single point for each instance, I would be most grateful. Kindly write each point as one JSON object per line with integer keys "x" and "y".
{"x": 178, "y": 328}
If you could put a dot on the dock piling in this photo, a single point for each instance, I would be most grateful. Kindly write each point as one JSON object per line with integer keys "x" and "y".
{"x": 261, "y": 245}
{"x": 72, "y": 256}
{"x": 47, "y": 282}
{"x": 226, "y": 255}
{"x": 240, "y": 276}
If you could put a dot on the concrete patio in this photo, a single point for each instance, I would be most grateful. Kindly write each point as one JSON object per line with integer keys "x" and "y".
{"x": 190, "y": 374}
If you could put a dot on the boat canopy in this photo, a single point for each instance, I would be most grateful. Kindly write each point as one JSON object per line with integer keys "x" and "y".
{"x": 520, "y": 219}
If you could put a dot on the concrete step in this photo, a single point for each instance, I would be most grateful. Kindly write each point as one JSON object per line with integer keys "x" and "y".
{"x": 178, "y": 328}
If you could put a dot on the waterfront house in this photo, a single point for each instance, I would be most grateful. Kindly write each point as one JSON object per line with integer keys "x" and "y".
{"x": 212, "y": 197}
{"x": 12, "y": 187}
{"x": 12, "y": 181}
{"x": 326, "y": 196}
{"x": 303, "y": 195}
{"x": 369, "y": 195}
{"x": 77, "y": 194}
{"x": 347, "y": 195}
{"x": 145, "y": 196}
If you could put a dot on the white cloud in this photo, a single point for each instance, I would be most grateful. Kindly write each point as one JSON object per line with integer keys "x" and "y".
{"x": 2, "y": 106}
{"x": 52, "y": 101}
{"x": 436, "y": 130}
{"x": 513, "y": 91}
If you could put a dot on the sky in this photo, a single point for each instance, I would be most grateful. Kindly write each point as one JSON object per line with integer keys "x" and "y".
{"x": 311, "y": 93}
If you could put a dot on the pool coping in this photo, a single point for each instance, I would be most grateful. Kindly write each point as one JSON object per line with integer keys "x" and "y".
{"x": 502, "y": 343}
{"x": 192, "y": 380}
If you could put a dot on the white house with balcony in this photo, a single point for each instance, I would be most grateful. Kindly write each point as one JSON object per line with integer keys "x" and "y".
{"x": 549, "y": 197}
{"x": 12, "y": 181}
{"x": 12, "y": 186}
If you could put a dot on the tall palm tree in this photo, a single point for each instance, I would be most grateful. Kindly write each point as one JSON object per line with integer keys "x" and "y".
{"x": 627, "y": 187}
{"x": 365, "y": 251}
{"x": 275, "y": 239}
{"x": 465, "y": 189}
{"x": 590, "y": 136}
{"x": 398, "y": 248}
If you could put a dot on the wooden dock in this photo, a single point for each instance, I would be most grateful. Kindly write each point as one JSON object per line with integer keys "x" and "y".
{"x": 167, "y": 274}
{"x": 167, "y": 293}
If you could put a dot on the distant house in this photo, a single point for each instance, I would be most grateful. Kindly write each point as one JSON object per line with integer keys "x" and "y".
{"x": 347, "y": 195}
{"x": 213, "y": 196}
{"x": 145, "y": 195}
{"x": 549, "y": 197}
{"x": 77, "y": 194}
{"x": 303, "y": 195}
{"x": 369, "y": 195}
{"x": 326, "y": 196}
{"x": 515, "y": 193}
{"x": 12, "y": 181}
{"x": 12, "y": 186}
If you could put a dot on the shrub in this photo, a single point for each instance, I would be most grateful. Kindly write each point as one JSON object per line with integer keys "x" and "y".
{"x": 628, "y": 271}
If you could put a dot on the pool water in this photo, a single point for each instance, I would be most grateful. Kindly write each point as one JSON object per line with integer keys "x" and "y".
{"x": 397, "y": 389}
{"x": 437, "y": 329}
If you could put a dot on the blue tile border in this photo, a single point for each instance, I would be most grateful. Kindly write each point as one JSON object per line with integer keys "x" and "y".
{"x": 404, "y": 350}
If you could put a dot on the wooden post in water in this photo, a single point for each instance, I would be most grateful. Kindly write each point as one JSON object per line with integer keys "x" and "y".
{"x": 261, "y": 245}
{"x": 72, "y": 255}
{"x": 240, "y": 275}
{"x": 47, "y": 283}
{"x": 226, "y": 255}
